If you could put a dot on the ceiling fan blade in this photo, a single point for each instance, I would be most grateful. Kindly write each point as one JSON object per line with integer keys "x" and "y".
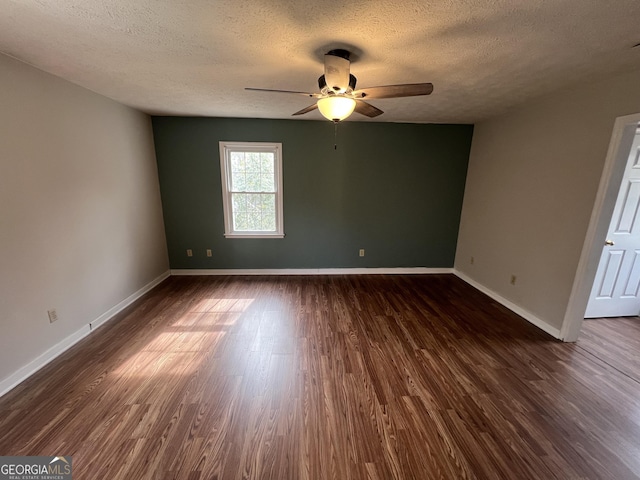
{"x": 308, "y": 109}
{"x": 394, "y": 91}
{"x": 336, "y": 72}
{"x": 306, "y": 94}
{"x": 366, "y": 109}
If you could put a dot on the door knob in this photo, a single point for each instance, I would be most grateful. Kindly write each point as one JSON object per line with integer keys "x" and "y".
{"x": 609, "y": 243}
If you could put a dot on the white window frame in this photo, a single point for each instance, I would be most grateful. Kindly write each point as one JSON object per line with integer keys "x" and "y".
{"x": 225, "y": 170}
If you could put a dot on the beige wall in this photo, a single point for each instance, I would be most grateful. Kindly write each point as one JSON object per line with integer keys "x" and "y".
{"x": 531, "y": 185}
{"x": 80, "y": 214}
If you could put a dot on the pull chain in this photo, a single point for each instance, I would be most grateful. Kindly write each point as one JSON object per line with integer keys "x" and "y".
{"x": 335, "y": 135}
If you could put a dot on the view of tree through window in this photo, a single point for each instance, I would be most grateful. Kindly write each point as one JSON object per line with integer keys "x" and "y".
{"x": 253, "y": 194}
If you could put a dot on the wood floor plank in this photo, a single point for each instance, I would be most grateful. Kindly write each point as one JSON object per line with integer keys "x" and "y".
{"x": 333, "y": 377}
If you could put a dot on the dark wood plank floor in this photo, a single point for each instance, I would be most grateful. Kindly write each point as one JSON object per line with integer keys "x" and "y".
{"x": 333, "y": 377}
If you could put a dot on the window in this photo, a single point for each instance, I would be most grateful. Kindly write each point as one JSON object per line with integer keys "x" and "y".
{"x": 252, "y": 189}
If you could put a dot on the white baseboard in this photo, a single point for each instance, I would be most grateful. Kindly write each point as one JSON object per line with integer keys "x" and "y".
{"x": 33, "y": 366}
{"x": 59, "y": 348}
{"x": 316, "y": 271}
{"x": 109, "y": 314}
{"x": 530, "y": 317}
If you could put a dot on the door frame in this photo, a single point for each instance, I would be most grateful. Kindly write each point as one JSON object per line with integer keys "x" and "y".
{"x": 624, "y": 130}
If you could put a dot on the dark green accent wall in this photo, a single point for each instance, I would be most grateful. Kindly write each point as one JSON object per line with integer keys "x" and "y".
{"x": 393, "y": 189}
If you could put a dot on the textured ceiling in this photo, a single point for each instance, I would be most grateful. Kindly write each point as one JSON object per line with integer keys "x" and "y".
{"x": 194, "y": 57}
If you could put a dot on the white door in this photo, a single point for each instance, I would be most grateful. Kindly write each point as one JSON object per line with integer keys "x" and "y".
{"x": 615, "y": 290}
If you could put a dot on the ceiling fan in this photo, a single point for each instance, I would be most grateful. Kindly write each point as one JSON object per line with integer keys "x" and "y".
{"x": 338, "y": 97}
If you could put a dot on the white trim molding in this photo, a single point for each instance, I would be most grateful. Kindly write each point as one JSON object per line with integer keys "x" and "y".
{"x": 227, "y": 149}
{"x": 624, "y": 130}
{"x": 58, "y": 349}
{"x": 528, "y": 316}
{"x": 316, "y": 271}
{"x": 112, "y": 312}
{"x": 43, "y": 359}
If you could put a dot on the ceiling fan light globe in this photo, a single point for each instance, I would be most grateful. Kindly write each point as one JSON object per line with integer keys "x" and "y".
{"x": 336, "y": 108}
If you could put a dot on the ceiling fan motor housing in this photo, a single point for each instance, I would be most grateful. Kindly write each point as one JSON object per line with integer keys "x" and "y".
{"x": 322, "y": 84}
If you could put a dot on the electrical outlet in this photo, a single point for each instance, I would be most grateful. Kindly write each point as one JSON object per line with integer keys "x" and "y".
{"x": 189, "y": 252}
{"x": 53, "y": 315}
{"x": 208, "y": 252}
{"x": 513, "y": 279}
{"x": 472, "y": 261}
{"x": 362, "y": 252}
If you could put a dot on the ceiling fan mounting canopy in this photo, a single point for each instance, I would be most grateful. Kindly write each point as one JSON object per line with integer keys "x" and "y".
{"x": 338, "y": 96}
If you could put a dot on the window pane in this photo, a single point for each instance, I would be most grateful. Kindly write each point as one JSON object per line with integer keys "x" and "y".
{"x": 252, "y": 182}
{"x": 267, "y": 183}
{"x": 252, "y": 161}
{"x": 269, "y": 222}
{"x": 267, "y": 162}
{"x": 239, "y": 202}
{"x": 254, "y": 212}
{"x": 240, "y": 222}
{"x": 253, "y": 203}
{"x": 268, "y": 203}
{"x": 252, "y": 172}
{"x": 237, "y": 162}
{"x": 238, "y": 182}
{"x": 254, "y": 220}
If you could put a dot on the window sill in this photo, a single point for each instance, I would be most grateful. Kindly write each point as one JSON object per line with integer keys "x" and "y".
{"x": 254, "y": 235}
